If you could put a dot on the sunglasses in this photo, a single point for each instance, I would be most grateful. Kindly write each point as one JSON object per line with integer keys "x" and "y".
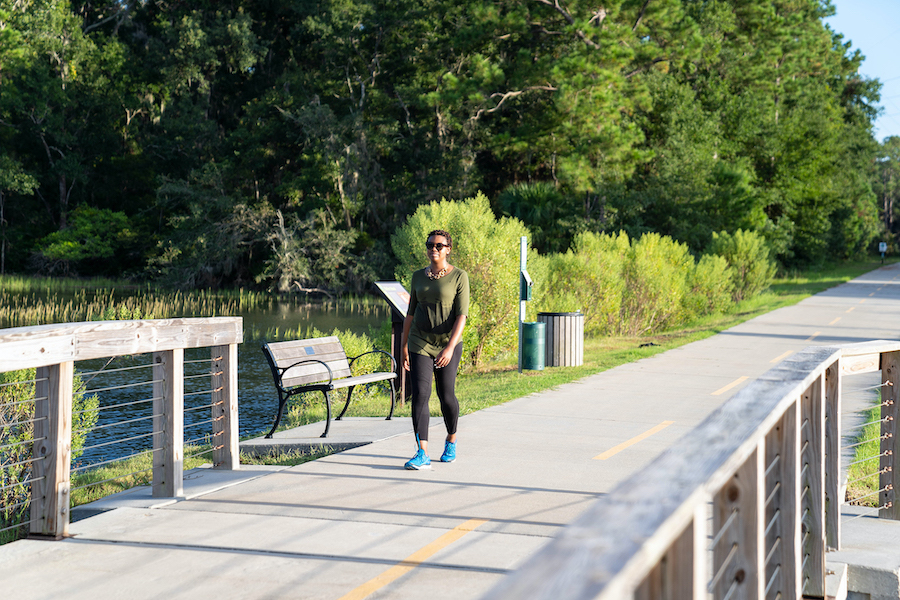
{"x": 437, "y": 245}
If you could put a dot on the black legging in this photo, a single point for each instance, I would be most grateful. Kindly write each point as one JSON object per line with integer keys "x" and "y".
{"x": 421, "y": 370}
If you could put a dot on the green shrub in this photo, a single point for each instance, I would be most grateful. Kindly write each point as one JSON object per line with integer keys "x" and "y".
{"x": 748, "y": 256}
{"x": 709, "y": 287}
{"x": 15, "y": 407}
{"x": 590, "y": 278}
{"x": 17, "y": 391}
{"x": 488, "y": 250}
{"x": 631, "y": 287}
{"x": 656, "y": 273}
{"x": 95, "y": 234}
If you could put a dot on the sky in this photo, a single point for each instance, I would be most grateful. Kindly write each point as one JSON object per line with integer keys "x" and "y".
{"x": 873, "y": 26}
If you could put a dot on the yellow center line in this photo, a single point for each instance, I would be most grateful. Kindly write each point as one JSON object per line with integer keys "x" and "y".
{"x": 850, "y": 309}
{"x": 872, "y": 294}
{"x": 781, "y": 357}
{"x": 835, "y": 321}
{"x": 412, "y": 561}
{"x": 863, "y": 300}
{"x": 813, "y": 336}
{"x": 737, "y": 381}
{"x": 616, "y": 449}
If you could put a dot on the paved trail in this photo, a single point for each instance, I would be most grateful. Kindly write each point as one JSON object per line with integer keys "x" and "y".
{"x": 356, "y": 525}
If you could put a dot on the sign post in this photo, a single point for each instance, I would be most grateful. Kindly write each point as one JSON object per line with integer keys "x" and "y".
{"x": 525, "y": 284}
{"x": 398, "y": 299}
{"x": 882, "y": 247}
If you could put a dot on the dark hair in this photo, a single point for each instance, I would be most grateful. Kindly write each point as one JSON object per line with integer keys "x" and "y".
{"x": 443, "y": 233}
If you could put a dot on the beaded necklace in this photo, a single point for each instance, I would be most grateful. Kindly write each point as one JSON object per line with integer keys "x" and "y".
{"x": 434, "y": 276}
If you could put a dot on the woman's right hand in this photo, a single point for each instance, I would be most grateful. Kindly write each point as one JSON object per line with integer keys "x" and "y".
{"x": 404, "y": 357}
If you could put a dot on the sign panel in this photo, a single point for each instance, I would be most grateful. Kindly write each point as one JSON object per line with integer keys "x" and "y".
{"x": 882, "y": 247}
{"x": 396, "y": 295}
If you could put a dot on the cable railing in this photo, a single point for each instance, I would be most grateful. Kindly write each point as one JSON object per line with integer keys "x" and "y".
{"x": 745, "y": 505}
{"x": 869, "y": 424}
{"x": 131, "y": 394}
{"x": 16, "y": 474}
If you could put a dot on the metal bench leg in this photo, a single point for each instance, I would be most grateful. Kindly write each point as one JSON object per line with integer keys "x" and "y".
{"x": 281, "y": 402}
{"x": 346, "y": 404}
{"x": 327, "y": 414}
{"x": 393, "y": 396}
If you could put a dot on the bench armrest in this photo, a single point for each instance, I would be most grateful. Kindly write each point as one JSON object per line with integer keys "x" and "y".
{"x": 376, "y": 351}
{"x": 309, "y": 360}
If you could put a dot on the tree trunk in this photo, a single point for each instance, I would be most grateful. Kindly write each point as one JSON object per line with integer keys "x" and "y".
{"x": 63, "y": 201}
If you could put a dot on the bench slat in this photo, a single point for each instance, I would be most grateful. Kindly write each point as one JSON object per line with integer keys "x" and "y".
{"x": 290, "y": 351}
{"x": 314, "y": 373}
{"x": 363, "y": 379}
{"x": 331, "y": 359}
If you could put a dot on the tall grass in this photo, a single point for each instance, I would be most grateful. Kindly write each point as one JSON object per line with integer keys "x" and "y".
{"x": 35, "y": 301}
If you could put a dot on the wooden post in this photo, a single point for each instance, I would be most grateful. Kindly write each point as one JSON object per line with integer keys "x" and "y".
{"x": 833, "y": 498}
{"x": 675, "y": 576}
{"x": 225, "y": 407}
{"x": 738, "y": 558}
{"x": 782, "y": 515}
{"x": 168, "y": 424}
{"x": 812, "y": 487}
{"x": 53, "y": 443}
{"x": 890, "y": 476}
{"x": 397, "y": 351}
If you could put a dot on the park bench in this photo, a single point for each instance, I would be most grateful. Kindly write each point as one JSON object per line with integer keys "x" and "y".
{"x": 319, "y": 365}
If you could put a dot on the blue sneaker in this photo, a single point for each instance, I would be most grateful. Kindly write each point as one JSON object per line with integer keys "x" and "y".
{"x": 449, "y": 454}
{"x": 419, "y": 461}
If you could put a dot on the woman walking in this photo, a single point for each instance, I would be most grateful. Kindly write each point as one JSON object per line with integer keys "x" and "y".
{"x": 432, "y": 343}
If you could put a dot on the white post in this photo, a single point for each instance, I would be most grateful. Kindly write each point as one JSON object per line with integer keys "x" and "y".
{"x": 523, "y": 258}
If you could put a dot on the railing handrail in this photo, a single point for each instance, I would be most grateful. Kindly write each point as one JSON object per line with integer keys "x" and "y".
{"x": 610, "y": 549}
{"x": 53, "y": 349}
{"x": 43, "y": 345}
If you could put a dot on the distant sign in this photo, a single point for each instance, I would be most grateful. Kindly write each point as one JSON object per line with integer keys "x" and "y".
{"x": 882, "y": 247}
{"x": 396, "y": 295}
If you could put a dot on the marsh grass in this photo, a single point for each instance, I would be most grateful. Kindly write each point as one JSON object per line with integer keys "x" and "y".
{"x": 39, "y": 301}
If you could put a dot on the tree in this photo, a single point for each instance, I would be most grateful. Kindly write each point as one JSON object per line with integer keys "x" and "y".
{"x": 887, "y": 183}
{"x": 94, "y": 235}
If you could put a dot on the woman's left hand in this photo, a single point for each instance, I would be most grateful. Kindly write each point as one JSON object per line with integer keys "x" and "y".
{"x": 443, "y": 359}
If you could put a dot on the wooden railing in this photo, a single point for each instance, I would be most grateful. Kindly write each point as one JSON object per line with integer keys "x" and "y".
{"x": 53, "y": 350}
{"x": 744, "y": 506}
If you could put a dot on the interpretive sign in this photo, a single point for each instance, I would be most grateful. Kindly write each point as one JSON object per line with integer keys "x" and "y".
{"x": 396, "y": 295}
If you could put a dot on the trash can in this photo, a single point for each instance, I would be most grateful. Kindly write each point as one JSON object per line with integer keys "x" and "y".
{"x": 564, "y": 338}
{"x": 533, "y": 346}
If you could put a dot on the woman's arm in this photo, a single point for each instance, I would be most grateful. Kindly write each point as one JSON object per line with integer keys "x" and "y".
{"x": 443, "y": 359}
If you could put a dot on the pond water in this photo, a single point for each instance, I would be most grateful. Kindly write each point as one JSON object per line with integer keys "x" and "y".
{"x": 124, "y": 386}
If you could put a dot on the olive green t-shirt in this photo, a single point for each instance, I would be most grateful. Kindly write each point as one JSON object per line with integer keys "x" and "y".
{"x": 434, "y": 306}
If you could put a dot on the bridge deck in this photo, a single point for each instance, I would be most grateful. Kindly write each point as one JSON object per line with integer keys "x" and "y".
{"x": 357, "y": 525}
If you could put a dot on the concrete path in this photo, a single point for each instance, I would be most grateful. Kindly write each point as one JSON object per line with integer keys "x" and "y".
{"x": 357, "y": 525}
